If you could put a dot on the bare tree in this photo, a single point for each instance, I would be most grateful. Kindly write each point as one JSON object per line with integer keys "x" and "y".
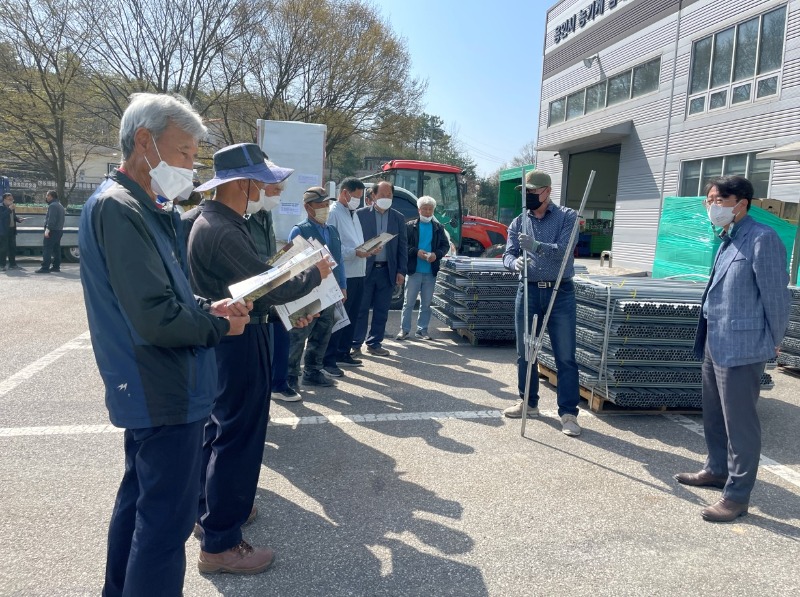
{"x": 41, "y": 66}
{"x": 166, "y": 46}
{"x": 301, "y": 69}
{"x": 525, "y": 156}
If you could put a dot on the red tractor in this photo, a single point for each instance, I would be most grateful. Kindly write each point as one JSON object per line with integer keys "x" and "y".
{"x": 470, "y": 234}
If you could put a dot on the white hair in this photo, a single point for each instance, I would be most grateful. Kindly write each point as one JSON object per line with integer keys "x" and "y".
{"x": 426, "y": 200}
{"x": 155, "y": 112}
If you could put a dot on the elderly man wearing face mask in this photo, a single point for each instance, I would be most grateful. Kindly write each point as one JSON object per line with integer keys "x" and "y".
{"x": 221, "y": 253}
{"x": 153, "y": 341}
{"x": 385, "y": 270}
{"x": 313, "y": 340}
{"x": 259, "y": 223}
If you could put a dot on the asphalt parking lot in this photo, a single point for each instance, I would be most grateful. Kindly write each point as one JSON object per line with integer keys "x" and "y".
{"x": 402, "y": 480}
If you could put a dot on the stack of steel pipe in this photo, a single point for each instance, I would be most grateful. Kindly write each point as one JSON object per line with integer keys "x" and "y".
{"x": 789, "y": 355}
{"x": 476, "y": 294}
{"x": 635, "y": 341}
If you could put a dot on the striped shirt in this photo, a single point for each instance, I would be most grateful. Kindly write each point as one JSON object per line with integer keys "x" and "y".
{"x": 553, "y": 232}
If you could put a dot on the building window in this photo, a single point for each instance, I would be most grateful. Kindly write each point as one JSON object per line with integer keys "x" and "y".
{"x": 575, "y": 104}
{"x": 695, "y": 173}
{"x": 633, "y": 83}
{"x": 557, "y": 111}
{"x": 645, "y": 78}
{"x": 730, "y": 65}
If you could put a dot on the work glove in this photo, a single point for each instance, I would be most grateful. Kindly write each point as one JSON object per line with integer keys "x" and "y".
{"x": 528, "y": 243}
{"x": 519, "y": 264}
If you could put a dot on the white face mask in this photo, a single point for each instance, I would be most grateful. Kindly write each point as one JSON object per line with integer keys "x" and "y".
{"x": 170, "y": 182}
{"x": 321, "y": 214}
{"x": 425, "y": 219}
{"x": 720, "y": 215}
{"x": 353, "y": 203}
{"x": 384, "y": 203}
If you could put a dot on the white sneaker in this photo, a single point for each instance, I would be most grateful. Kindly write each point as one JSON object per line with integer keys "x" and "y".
{"x": 515, "y": 412}
{"x": 569, "y": 426}
{"x": 288, "y": 395}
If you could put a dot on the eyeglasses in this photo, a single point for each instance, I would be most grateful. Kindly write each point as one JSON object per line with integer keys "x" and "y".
{"x": 719, "y": 200}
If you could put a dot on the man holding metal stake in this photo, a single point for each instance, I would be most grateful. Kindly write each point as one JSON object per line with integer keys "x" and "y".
{"x": 545, "y": 232}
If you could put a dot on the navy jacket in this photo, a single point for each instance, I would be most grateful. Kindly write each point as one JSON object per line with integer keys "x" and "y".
{"x": 151, "y": 337}
{"x": 308, "y": 230}
{"x": 396, "y": 249}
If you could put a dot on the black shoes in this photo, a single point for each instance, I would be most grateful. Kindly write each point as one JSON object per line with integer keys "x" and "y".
{"x": 316, "y": 378}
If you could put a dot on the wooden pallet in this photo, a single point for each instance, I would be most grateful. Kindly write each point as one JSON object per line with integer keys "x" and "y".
{"x": 470, "y": 336}
{"x": 600, "y": 405}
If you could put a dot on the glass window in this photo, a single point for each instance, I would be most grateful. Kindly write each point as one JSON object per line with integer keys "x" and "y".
{"x": 746, "y": 46}
{"x": 575, "y": 104}
{"x": 557, "y": 111}
{"x": 596, "y": 97}
{"x": 767, "y": 87}
{"x": 619, "y": 88}
{"x": 741, "y": 93}
{"x": 712, "y": 167}
{"x": 718, "y": 100}
{"x": 697, "y": 105}
{"x": 442, "y": 186}
{"x": 690, "y": 179}
{"x": 701, "y": 65}
{"x": 736, "y": 165}
{"x": 723, "y": 58}
{"x": 407, "y": 179}
{"x": 645, "y": 77}
{"x": 759, "y": 176}
{"x": 770, "y": 55}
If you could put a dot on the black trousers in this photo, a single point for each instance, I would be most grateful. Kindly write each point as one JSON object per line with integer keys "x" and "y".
{"x": 8, "y": 249}
{"x": 234, "y": 437}
{"x": 51, "y": 250}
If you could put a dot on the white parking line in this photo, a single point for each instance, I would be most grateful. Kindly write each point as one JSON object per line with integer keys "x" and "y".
{"x": 766, "y": 463}
{"x": 83, "y": 342}
{"x": 77, "y": 343}
{"x": 284, "y": 421}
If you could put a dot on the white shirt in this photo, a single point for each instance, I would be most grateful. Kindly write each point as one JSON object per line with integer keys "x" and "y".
{"x": 348, "y": 226}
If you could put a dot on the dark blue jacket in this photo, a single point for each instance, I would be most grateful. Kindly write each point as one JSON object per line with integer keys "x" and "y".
{"x": 396, "y": 249}
{"x": 308, "y": 230}
{"x": 151, "y": 337}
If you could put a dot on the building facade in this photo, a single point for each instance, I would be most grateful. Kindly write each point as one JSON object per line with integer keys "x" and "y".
{"x": 657, "y": 96}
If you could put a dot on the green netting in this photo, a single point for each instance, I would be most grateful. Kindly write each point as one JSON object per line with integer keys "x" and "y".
{"x": 686, "y": 243}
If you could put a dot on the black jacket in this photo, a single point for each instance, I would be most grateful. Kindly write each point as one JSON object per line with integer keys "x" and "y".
{"x": 5, "y": 220}
{"x": 221, "y": 253}
{"x": 439, "y": 245}
{"x": 54, "y": 220}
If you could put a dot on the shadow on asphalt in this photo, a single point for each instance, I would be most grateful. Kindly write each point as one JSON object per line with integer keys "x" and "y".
{"x": 363, "y": 530}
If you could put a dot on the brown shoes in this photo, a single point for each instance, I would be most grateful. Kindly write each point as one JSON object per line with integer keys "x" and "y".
{"x": 701, "y": 479}
{"x": 242, "y": 559}
{"x": 724, "y": 510}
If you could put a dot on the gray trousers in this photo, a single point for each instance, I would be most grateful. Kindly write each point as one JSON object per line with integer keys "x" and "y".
{"x": 732, "y": 428}
{"x": 318, "y": 333}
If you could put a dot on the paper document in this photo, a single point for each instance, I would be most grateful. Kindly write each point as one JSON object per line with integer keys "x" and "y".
{"x": 257, "y": 286}
{"x": 340, "y": 318}
{"x": 375, "y": 242}
{"x": 323, "y": 296}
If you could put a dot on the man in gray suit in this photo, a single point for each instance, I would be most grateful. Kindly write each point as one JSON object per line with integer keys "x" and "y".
{"x": 744, "y": 316}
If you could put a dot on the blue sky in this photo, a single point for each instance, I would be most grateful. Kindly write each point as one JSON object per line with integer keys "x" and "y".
{"x": 483, "y": 64}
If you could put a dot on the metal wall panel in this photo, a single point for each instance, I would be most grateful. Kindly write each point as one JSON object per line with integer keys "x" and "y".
{"x": 643, "y": 181}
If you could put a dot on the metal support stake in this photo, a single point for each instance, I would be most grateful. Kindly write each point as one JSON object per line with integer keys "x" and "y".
{"x": 538, "y": 344}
